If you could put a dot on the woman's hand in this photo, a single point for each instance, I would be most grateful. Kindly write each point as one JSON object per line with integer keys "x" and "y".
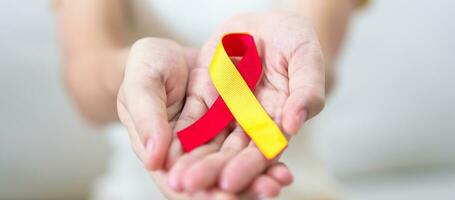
{"x": 292, "y": 90}
{"x": 151, "y": 96}
{"x": 149, "y": 105}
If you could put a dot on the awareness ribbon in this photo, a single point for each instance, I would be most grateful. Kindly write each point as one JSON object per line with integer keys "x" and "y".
{"x": 235, "y": 84}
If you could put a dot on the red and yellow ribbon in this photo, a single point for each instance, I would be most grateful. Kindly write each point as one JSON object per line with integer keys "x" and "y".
{"x": 236, "y": 84}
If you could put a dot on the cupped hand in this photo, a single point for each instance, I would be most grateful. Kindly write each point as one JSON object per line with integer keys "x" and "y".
{"x": 292, "y": 91}
{"x": 151, "y": 96}
{"x": 150, "y": 104}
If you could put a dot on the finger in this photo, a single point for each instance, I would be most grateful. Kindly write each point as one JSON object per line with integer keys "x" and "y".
{"x": 263, "y": 187}
{"x": 242, "y": 169}
{"x": 146, "y": 97}
{"x": 281, "y": 173}
{"x": 205, "y": 172}
{"x": 194, "y": 108}
{"x": 200, "y": 94}
{"x": 149, "y": 117}
{"x": 214, "y": 194}
{"x": 159, "y": 177}
{"x": 209, "y": 194}
{"x": 306, "y": 73}
{"x": 178, "y": 163}
{"x": 177, "y": 171}
{"x": 135, "y": 141}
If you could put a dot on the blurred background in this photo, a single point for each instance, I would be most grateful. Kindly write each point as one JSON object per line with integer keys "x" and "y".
{"x": 388, "y": 131}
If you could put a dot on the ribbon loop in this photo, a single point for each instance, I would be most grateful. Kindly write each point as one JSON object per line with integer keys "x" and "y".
{"x": 236, "y": 84}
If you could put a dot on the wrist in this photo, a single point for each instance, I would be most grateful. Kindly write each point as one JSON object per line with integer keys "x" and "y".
{"x": 92, "y": 79}
{"x": 330, "y": 19}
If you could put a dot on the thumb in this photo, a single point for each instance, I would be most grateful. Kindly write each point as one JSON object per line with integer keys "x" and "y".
{"x": 150, "y": 126}
{"x": 149, "y": 87}
{"x": 307, "y": 87}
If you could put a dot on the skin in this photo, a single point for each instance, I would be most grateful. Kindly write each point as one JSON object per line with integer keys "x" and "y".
{"x": 163, "y": 66}
{"x": 165, "y": 87}
{"x": 291, "y": 91}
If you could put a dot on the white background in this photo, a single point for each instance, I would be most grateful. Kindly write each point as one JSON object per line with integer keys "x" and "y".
{"x": 388, "y": 130}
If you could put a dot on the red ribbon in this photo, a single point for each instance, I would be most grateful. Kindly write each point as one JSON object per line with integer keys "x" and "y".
{"x": 219, "y": 116}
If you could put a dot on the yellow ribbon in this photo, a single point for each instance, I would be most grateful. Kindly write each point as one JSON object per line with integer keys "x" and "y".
{"x": 244, "y": 106}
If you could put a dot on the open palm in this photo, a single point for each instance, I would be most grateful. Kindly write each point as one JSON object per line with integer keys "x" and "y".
{"x": 150, "y": 104}
{"x": 291, "y": 91}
